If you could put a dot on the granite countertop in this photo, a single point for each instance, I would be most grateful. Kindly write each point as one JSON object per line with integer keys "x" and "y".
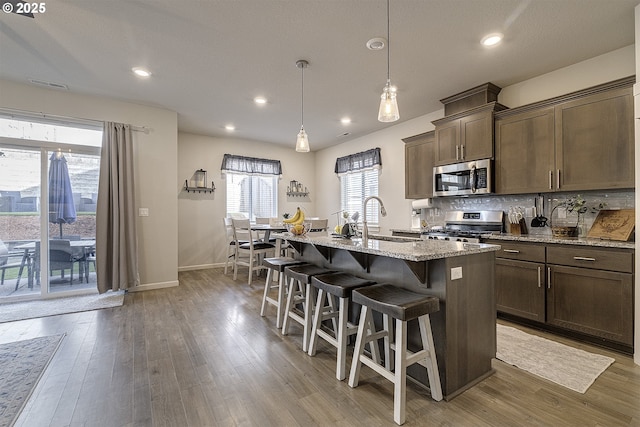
{"x": 405, "y": 249}
{"x": 548, "y": 239}
{"x": 406, "y": 230}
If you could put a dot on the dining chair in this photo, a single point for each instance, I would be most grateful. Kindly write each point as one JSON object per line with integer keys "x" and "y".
{"x": 318, "y": 226}
{"x": 231, "y": 243}
{"x": 250, "y": 253}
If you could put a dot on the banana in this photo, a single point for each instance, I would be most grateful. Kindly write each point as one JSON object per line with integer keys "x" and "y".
{"x": 300, "y": 219}
{"x": 294, "y": 218}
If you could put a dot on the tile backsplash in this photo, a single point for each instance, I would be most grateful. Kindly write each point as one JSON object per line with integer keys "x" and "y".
{"x": 618, "y": 199}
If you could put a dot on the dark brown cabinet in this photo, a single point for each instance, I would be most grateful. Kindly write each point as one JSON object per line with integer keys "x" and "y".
{"x": 525, "y": 152}
{"x": 465, "y": 136}
{"x": 595, "y": 142}
{"x": 520, "y": 280}
{"x": 590, "y": 290}
{"x": 580, "y": 141}
{"x": 568, "y": 288}
{"x": 419, "y": 162}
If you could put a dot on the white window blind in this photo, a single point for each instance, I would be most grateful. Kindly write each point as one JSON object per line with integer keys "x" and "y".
{"x": 253, "y": 196}
{"x": 354, "y": 188}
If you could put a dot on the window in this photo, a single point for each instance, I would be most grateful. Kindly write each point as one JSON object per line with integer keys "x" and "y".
{"x": 358, "y": 180}
{"x": 357, "y": 186}
{"x": 252, "y": 186}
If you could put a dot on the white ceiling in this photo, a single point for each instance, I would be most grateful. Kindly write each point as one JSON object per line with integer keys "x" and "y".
{"x": 211, "y": 58}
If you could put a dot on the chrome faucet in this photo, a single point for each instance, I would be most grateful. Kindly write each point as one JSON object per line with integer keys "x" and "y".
{"x": 365, "y": 228}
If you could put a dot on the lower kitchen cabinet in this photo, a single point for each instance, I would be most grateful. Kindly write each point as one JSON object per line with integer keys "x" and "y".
{"x": 593, "y": 302}
{"x": 520, "y": 288}
{"x": 586, "y": 292}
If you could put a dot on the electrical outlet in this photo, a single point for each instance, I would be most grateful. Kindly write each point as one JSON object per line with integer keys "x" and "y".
{"x": 143, "y": 211}
{"x": 562, "y": 213}
{"x": 456, "y": 273}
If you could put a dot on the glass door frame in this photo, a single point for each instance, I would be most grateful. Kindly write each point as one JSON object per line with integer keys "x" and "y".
{"x": 45, "y": 148}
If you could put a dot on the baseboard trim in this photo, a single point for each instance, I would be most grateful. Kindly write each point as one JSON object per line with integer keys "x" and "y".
{"x": 152, "y": 286}
{"x": 201, "y": 267}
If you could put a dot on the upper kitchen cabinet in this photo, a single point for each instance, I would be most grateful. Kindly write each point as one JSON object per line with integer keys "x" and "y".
{"x": 595, "y": 141}
{"x": 575, "y": 142}
{"x": 525, "y": 151}
{"x": 466, "y": 131}
{"x": 419, "y": 162}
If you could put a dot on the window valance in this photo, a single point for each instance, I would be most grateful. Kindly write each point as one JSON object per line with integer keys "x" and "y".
{"x": 369, "y": 159}
{"x": 250, "y": 165}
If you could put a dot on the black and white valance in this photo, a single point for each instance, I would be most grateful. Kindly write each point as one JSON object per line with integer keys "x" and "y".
{"x": 250, "y": 165}
{"x": 369, "y": 159}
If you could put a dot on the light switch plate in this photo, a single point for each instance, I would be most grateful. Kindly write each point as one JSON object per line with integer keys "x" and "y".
{"x": 456, "y": 273}
{"x": 143, "y": 211}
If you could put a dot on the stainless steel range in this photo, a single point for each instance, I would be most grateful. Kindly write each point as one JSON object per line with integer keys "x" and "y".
{"x": 467, "y": 226}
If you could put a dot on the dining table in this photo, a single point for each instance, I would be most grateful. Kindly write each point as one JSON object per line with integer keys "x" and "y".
{"x": 29, "y": 248}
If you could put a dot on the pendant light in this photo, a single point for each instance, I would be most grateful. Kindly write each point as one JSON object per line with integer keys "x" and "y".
{"x": 388, "y": 111}
{"x": 302, "y": 142}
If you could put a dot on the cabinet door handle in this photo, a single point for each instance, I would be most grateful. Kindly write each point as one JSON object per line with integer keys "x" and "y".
{"x": 550, "y": 180}
{"x": 461, "y": 151}
{"x": 539, "y": 277}
{"x": 548, "y": 277}
{"x": 558, "y": 179}
{"x": 457, "y": 152}
{"x": 511, "y": 251}
{"x": 583, "y": 258}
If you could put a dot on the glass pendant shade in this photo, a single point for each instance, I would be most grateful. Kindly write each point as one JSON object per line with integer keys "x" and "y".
{"x": 302, "y": 142}
{"x": 388, "y": 111}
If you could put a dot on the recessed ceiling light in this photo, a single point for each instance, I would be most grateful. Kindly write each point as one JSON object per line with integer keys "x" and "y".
{"x": 491, "y": 39}
{"x": 376, "y": 43}
{"x": 260, "y": 100}
{"x": 141, "y": 72}
{"x": 345, "y": 120}
{"x": 230, "y": 127}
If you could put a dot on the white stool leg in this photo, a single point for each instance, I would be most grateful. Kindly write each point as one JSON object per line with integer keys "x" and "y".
{"x": 358, "y": 349}
{"x": 342, "y": 339}
{"x": 308, "y": 313}
{"x": 387, "y": 324}
{"x": 313, "y": 340}
{"x": 400, "y": 377}
{"x": 288, "y": 307}
{"x": 432, "y": 363}
{"x": 281, "y": 301}
{"x": 265, "y": 294}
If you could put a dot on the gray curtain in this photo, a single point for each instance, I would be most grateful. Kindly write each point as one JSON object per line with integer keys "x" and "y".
{"x": 370, "y": 159}
{"x": 116, "y": 237}
{"x": 250, "y": 165}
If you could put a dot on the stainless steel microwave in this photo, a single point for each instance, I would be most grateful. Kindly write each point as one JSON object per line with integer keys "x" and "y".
{"x": 466, "y": 178}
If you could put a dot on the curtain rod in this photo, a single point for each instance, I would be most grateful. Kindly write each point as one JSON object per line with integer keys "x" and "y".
{"x": 68, "y": 119}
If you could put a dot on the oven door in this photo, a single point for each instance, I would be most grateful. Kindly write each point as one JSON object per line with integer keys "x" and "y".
{"x": 462, "y": 178}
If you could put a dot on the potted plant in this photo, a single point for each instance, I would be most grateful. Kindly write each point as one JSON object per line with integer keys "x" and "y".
{"x": 575, "y": 204}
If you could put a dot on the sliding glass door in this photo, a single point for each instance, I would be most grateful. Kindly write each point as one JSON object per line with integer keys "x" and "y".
{"x": 48, "y": 199}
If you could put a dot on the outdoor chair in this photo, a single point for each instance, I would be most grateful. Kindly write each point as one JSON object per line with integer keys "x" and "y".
{"x": 10, "y": 260}
{"x": 61, "y": 257}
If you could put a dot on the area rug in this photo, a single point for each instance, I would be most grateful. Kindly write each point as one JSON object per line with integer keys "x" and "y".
{"x": 570, "y": 367}
{"x": 22, "y": 363}
{"x": 52, "y": 307}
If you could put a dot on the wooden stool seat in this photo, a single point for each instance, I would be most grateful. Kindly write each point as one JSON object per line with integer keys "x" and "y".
{"x": 300, "y": 293}
{"x": 402, "y": 305}
{"x": 339, "y": 285}
{"x": 276, "y": 264}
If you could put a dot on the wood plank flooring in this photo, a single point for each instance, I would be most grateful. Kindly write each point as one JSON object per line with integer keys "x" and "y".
{"x": 200, "y": 355}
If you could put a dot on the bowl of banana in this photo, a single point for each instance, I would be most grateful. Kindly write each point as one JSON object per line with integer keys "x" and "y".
{"x": 299, "y": 229}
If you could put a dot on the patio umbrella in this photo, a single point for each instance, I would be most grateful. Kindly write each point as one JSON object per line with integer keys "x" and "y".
{"x": 62, "y": 209}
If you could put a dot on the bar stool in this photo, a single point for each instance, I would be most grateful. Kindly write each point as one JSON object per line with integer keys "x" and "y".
{"x": 299, "y": 292}
{"x": 276, "y": 264}
{"x": 402, "y": 305}
{"x": 339, "y": 285}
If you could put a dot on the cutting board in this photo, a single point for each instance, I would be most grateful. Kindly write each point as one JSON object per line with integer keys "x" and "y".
{"x": 613, "y": 224}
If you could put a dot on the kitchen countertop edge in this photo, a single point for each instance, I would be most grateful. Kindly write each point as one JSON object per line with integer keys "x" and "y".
{"x": 576, "y": 241}
{"x": 422, "y": 250}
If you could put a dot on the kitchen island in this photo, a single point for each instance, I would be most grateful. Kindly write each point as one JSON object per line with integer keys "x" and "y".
{"x": 460, "y": 274}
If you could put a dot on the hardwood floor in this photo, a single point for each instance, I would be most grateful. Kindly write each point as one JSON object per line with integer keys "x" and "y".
{"x": 200, "y": 355}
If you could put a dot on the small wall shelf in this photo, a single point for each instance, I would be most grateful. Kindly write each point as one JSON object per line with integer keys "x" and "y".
{"x": 298, "y": 193}
{"x": 199, "y": 189}
{"x": 296, "y": 189}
